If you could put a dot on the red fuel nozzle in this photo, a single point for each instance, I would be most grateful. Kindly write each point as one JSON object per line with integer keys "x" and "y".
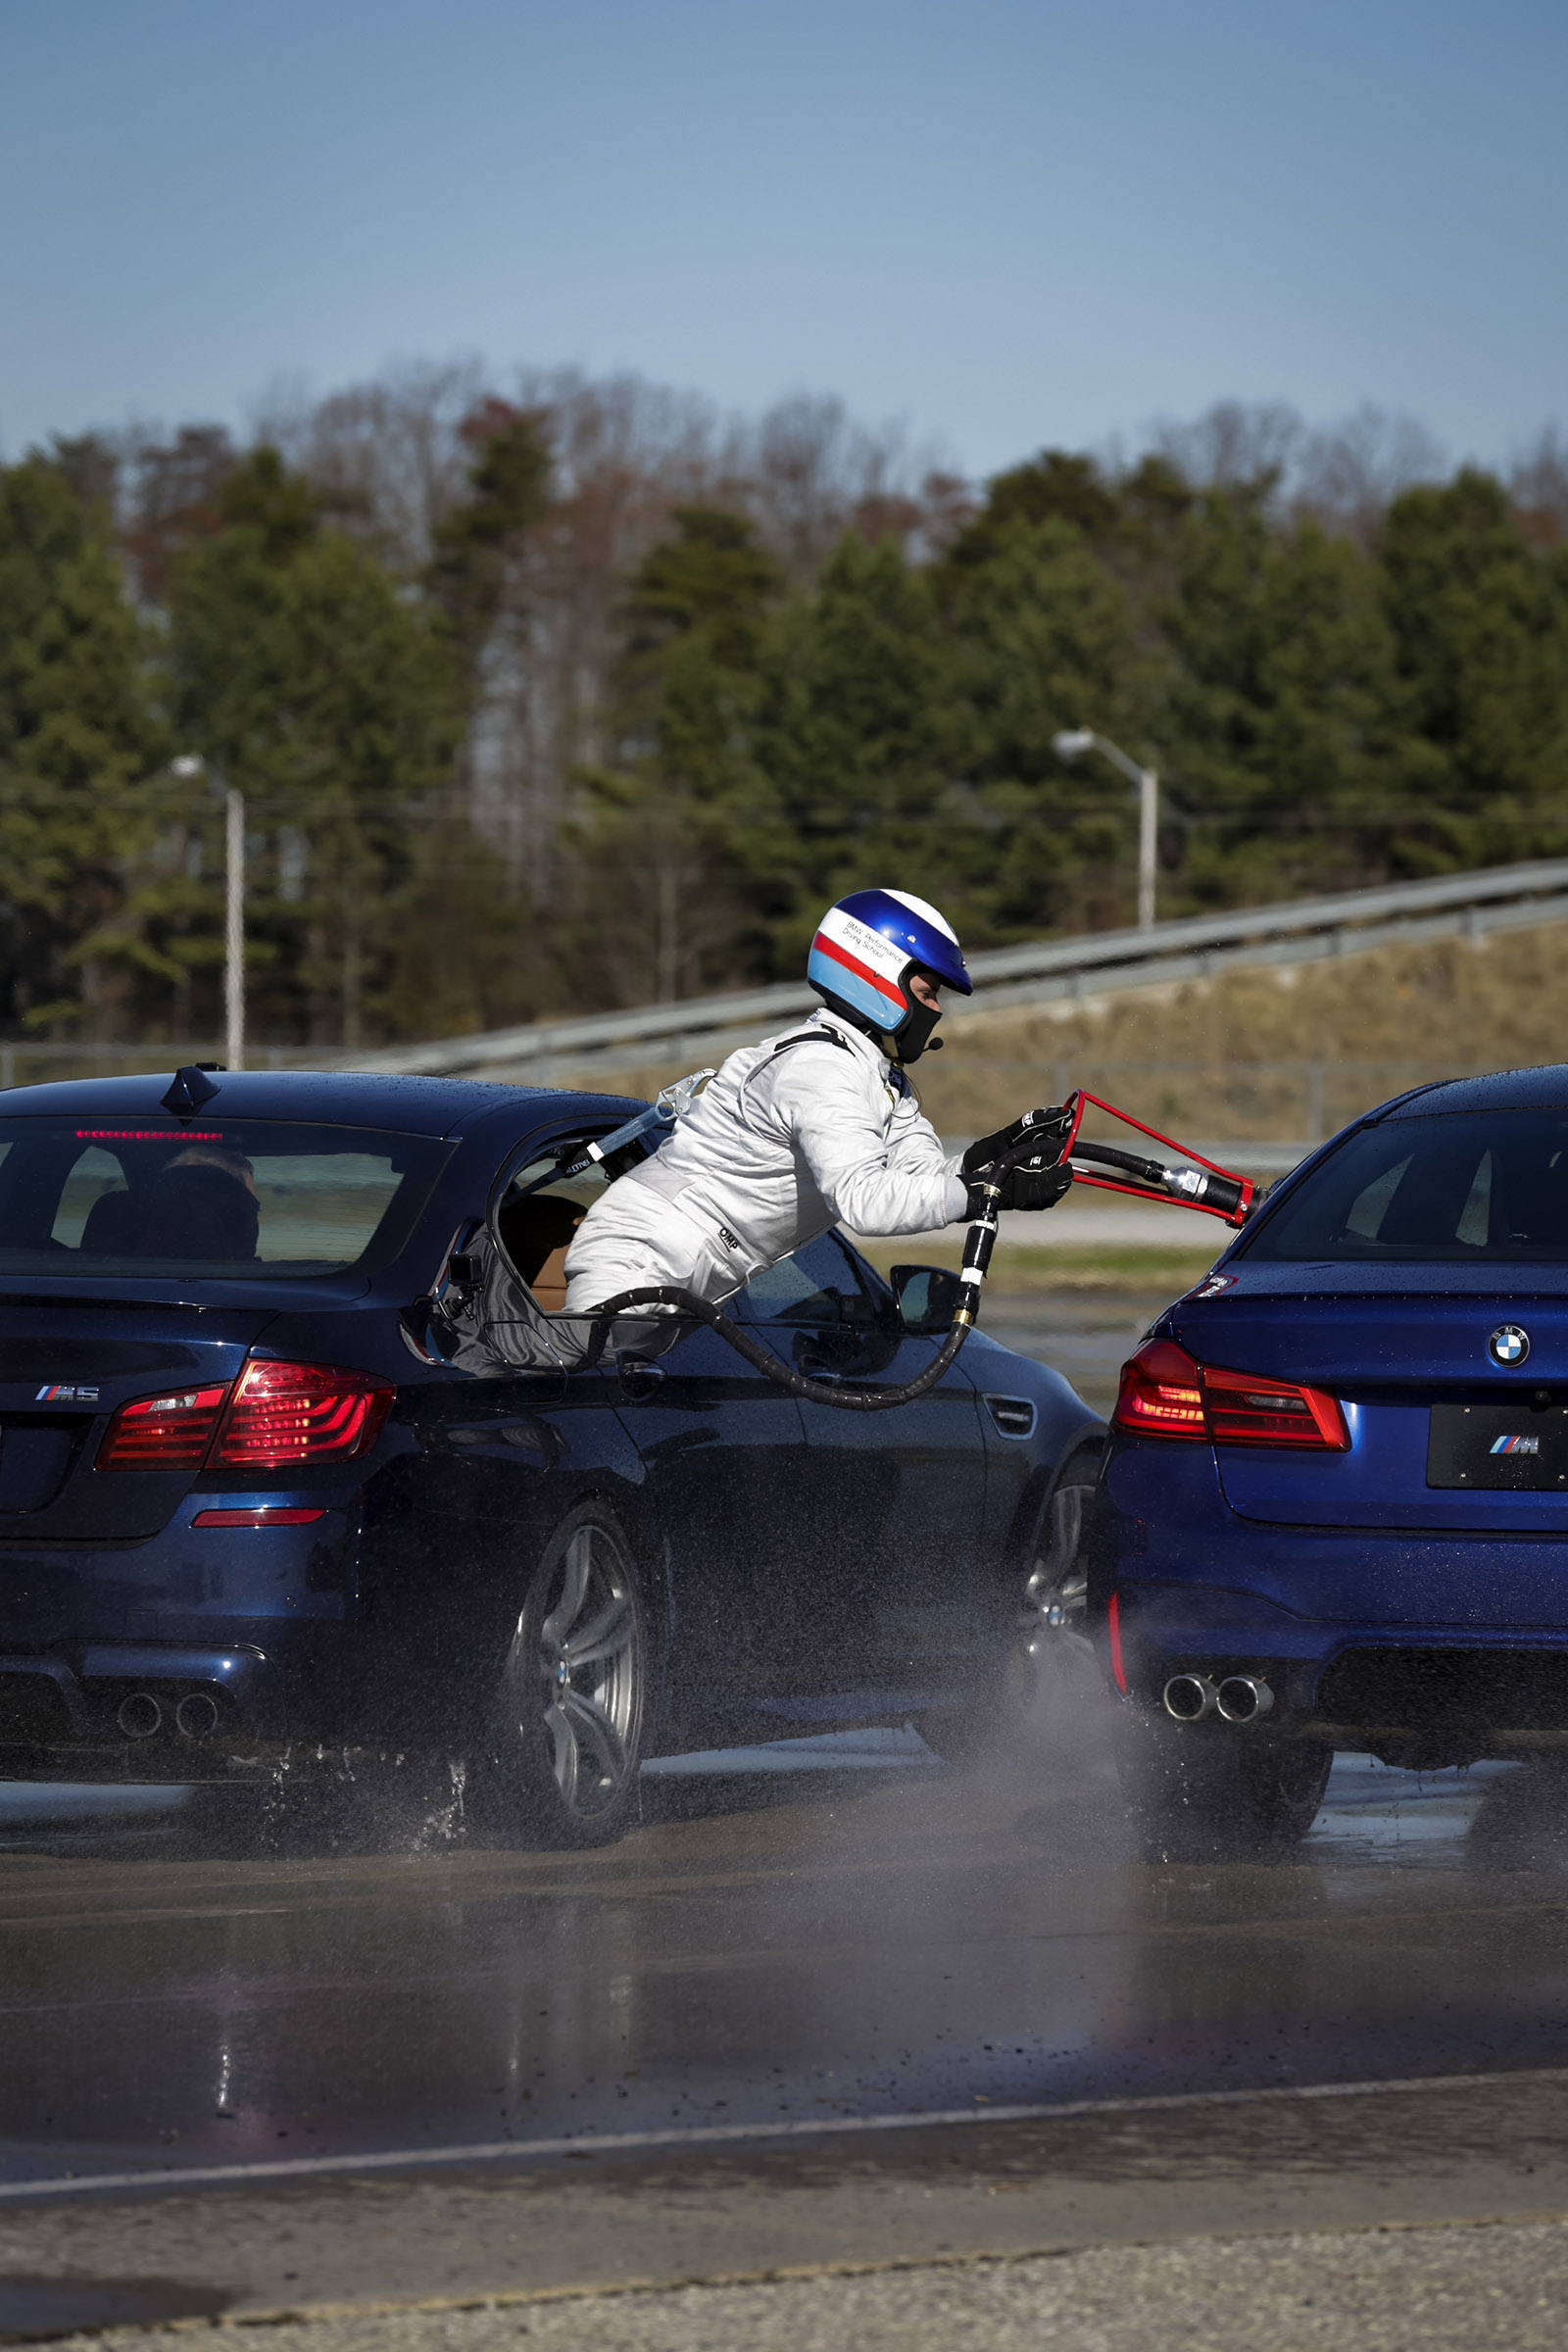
{"x": 1199, "y": 1184}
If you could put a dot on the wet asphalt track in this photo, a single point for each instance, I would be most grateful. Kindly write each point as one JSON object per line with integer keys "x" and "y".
{"x": 706, "y": 2033}
{"x": 717, "y": 2037}
{"x": 884, "y": 1938}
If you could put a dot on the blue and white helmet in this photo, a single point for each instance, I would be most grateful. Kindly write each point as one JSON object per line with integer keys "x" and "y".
{"x": 864, "y": 950}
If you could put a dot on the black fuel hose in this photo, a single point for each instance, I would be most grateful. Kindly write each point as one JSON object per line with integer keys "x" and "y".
{"x": 773, "y": 1367}
{"x": 1195, "y": 1186}
{"x": 979, "y": 1242}
{"x": 1112, "y": 1155}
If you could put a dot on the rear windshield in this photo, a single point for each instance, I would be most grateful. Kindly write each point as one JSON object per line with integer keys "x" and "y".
{"x": 239, "y": 1199}
{"x": 1464, "y": 1188}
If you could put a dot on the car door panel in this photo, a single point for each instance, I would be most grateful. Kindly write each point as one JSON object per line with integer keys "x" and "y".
{"x": 721, "y": 1449}
{"x": 897, "y": 1498}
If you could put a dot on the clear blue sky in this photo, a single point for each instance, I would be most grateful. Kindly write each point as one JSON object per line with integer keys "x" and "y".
{"x": 1008, "y": 221}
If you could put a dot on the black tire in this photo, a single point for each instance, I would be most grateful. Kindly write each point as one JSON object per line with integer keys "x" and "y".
{"x": 559, "y": 1766}
{"x": 1046, "y": 1671}
{"x": 1200, "y": 1794}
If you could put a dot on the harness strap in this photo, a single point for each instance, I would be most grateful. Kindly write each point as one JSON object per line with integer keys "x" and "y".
{"x": 801, "y": 1037}
{"x": 898, "y": 1084}
{"x": 811, "y": 1037}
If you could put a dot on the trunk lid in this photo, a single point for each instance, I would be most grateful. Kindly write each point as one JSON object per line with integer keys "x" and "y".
{"x": 66, "y": 1364}
{"x": 1389, "y": 1354}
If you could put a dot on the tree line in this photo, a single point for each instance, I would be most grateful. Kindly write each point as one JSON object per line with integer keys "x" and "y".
{"x": 588, "y": 696}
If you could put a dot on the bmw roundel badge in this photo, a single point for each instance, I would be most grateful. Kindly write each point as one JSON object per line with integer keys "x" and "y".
{"x": 1508, "y": 1345}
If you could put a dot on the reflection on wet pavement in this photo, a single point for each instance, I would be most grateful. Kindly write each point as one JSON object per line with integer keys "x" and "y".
{"x": 793, "y": 1935}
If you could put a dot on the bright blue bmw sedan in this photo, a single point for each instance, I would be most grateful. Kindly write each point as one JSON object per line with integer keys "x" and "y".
{"x": 293, "y": 1459}
{"x": 1334, "y": 1510}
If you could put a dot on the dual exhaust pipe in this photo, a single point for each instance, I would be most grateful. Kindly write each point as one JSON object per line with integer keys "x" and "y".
{"x": 142, "y": 1715}
{"x": 1236, "y": 1698}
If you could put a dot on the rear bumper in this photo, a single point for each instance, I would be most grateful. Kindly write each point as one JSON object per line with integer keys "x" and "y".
{"x": 1421, "y": 1647}
{"x": 139, "y": 1711}
{"x": 251, "y": 1625}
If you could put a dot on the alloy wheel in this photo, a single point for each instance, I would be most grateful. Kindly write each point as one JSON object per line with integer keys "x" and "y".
{"x": 1051, "y": 1655}
{"x": 585, "y": 1672}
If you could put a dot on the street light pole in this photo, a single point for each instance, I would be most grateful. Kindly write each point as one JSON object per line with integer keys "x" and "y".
{"x": 188, "y": 767}
{"x": 234, "y": 929}
{"x": 1071, "y": 744}
{"x": 1147, "y": 834}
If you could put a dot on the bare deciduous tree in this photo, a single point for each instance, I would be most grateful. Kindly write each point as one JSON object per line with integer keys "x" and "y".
{"x": 1347, "y": 474}
{"x": 1233, "y": 442}
{"x": 1539, "y": 487}
{"x": 173, "y": 489}
{"x": 387, "y": 456}
{"x": 391, "y": 456}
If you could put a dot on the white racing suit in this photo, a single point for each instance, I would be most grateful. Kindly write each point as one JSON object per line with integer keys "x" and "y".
{"x": 811, "y": 1128}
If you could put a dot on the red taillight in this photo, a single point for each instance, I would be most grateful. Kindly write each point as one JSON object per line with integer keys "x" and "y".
{"x": 1246, "y": 1408}
{"x": 1165, "y": 1393}
{"x": 1160, "y": 1394}
{"x": 172, "y": 1432}
{"x": 279, "y": 1415}
{"x": 287, "y": 1413}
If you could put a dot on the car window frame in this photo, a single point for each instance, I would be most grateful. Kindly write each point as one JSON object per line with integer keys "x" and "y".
{"x": 535, "y": 1145}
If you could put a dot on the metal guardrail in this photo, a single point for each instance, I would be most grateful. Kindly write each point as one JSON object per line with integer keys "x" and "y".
{"x": 1105, "y": 962}
{"x": 1302, "y": 930}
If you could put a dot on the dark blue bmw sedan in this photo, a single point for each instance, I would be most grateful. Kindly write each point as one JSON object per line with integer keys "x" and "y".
{"x": 1333, "y": 1511}
{"x": 293, "y": 1459}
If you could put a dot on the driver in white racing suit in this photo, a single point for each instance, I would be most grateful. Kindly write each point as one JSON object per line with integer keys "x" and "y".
{"x": 814, "y": 1127}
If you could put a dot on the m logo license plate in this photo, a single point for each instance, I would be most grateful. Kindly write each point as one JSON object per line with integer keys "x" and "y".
{"x": 1484, "y": 1446}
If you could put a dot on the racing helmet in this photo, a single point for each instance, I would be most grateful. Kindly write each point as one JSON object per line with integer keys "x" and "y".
{"x": 864, "y": 952}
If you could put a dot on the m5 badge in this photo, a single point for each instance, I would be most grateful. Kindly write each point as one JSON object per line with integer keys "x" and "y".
{"x": 60, "y": 1392}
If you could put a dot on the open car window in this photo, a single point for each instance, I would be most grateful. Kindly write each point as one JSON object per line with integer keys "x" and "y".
{"x": 540, "y": 1212}
{"x": 241, "y": 1199}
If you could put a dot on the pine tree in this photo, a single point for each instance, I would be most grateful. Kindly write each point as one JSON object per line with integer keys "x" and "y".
{"x": 310, "y": 683}
{"x": 1479, "y": 623}
{"x": 81, "y": 744}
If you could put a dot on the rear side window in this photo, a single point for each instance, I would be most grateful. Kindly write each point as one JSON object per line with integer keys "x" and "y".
{"x": 241, "y": 1199}
{"x": 1465, "y": 1188}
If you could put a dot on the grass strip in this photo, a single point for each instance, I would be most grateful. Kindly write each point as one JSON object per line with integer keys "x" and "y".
{"x": 1020, "y": 1272}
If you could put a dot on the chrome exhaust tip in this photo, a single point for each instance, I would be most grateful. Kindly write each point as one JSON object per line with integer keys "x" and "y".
{"x": 196, "y": 1716}
{"x": 1188, "y": 1697}
{"x": 141, "y": 1716}
{"x": 1242, "y": 1698}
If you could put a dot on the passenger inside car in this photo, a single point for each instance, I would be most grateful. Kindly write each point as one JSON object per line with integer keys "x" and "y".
{"x": 201, "y": 1203}
{"x": 202, "y": 1206}
{"x": 112, "y": 1224}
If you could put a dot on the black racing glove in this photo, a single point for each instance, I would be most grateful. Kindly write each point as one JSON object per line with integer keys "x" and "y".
{"x": 1053, "y": 1123}
{"x": 1037, "y": 1179}
{"x": 1039, "y": 1183}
